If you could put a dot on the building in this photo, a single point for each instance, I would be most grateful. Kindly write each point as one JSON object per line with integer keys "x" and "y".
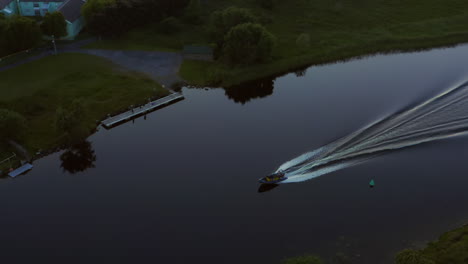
{"x": 71, "y": 10}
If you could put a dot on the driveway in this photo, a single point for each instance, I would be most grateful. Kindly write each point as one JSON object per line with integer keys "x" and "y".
{"x": 163, "y": 67}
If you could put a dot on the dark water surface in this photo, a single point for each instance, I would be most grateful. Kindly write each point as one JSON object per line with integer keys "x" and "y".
{"x": 181, "y": 186}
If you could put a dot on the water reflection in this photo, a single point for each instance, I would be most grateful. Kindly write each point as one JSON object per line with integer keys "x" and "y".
{"x": 267, "y": 187}
{"x": 251, "y": 90}
{"x": 78, "y": 158}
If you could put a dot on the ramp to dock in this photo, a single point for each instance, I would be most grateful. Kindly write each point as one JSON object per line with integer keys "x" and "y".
{"x": 26, "y": 167}
{"x": 141, "y": 110}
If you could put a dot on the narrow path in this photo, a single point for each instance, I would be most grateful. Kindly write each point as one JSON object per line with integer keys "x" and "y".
{"x": 163, "y": 67}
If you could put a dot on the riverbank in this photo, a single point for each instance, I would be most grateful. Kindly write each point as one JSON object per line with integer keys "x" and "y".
{"x": 337, "y": 30}
{"x": 37, "y": 89}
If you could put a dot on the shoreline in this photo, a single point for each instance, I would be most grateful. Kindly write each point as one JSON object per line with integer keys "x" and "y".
{"x": 241, "y": 75}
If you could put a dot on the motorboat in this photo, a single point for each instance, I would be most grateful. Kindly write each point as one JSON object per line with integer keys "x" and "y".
{"x": 274, "y": 178}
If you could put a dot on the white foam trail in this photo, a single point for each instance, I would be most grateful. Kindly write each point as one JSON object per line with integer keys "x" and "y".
{"x": 442, "y": 116}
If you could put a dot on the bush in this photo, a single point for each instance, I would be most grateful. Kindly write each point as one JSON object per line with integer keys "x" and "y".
{"x": 12, "y": 124}
{"x": 410, "y": 256}
{"x": 247, "y": 44}
{"x": 170, "y": 25}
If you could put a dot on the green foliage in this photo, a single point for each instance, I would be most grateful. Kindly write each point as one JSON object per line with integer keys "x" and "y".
{"x": 303, "y": 260}
{"x": 22, "y": 33}
{"x": 410, "y": 256}
{"x": 248, "y": 44}
{"x": 12, "y": 124}
{"x": 101, "y": 85}
{"x": 170, "y": 25}
{"x": 54, "y": 24}
{"x": 223, "y": 21}
{"x": 451, "y": 247}
{"x": 303, "y": 41}
{"x": 193, "y": 12}
{"x": 112, "y": 18}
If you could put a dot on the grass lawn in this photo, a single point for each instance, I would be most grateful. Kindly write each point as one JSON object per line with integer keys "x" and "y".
{"x": 38, "y": 88}
{"x": 338, "y": 29}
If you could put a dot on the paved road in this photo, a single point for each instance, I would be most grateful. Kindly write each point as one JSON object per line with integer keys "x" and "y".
{"x": 161, "y": 66}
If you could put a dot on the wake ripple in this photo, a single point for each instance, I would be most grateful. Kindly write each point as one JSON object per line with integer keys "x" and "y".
{"x": 442, "y": 116}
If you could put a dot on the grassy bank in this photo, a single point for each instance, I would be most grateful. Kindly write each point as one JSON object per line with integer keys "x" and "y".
{"x": 38, "y": 88}
{"x": 451, "y": 247}
{"x": 338, "y": 30}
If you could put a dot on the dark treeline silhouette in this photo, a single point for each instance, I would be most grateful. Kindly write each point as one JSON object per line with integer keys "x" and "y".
{"x": 113, "y": 18}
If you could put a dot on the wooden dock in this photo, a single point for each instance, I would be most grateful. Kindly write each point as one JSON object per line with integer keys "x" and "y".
{"x": 141, "y": 110}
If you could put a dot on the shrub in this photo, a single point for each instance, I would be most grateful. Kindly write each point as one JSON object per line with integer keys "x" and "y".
{"x": 247, "y": 44}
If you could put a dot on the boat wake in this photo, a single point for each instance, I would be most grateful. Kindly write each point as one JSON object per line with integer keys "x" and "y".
{"x": 442, "y": 116}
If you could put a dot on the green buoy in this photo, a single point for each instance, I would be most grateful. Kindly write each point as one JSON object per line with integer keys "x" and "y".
{"x": 372, "y": 184}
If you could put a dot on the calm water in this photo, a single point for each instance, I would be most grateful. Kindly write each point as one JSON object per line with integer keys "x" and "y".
{"x": 181, "y": 185}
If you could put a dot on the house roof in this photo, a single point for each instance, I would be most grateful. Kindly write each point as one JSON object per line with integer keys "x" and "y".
{"x": 4, "y": 3}
{"x": 71, "y": 9}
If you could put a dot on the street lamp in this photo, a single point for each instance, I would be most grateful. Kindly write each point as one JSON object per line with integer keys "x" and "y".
{"x": 53, "y": 43}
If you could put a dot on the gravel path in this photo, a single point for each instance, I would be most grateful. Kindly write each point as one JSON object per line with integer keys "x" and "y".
{"x": 161, "y": 66}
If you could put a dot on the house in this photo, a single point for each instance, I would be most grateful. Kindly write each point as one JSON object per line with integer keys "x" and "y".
{"x": 9, "y": 7}
{"x": 71, "y": 10}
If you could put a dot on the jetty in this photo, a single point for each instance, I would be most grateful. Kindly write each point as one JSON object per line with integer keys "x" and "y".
{"x": 25, "y": 168}
{"x": 141, "y": 110}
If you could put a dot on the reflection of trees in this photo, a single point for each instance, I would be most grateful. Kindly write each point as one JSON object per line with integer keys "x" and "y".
{"x": 78, "y": 158}
{"x": 301, "y": 72}
{"x": 251, "y": 90}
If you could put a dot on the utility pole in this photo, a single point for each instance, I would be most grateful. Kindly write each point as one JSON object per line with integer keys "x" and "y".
{"x": 53, "y": 42}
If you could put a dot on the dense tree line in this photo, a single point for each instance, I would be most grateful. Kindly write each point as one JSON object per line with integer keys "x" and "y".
{"x": 110, "y": 18}
{"x": 22, "y": 33}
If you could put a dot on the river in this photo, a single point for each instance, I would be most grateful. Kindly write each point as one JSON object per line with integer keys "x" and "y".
{"x": 181, "y": 184}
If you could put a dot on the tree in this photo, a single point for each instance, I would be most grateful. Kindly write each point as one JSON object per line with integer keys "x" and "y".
{"x": 54, "y": 24}
{"x": 12, "y": 124}
{"x": 193, "y": 12}
{"x": 228, "y": 18}
{"x": 247, "y": 44}
{"x": 22, "y": 33}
